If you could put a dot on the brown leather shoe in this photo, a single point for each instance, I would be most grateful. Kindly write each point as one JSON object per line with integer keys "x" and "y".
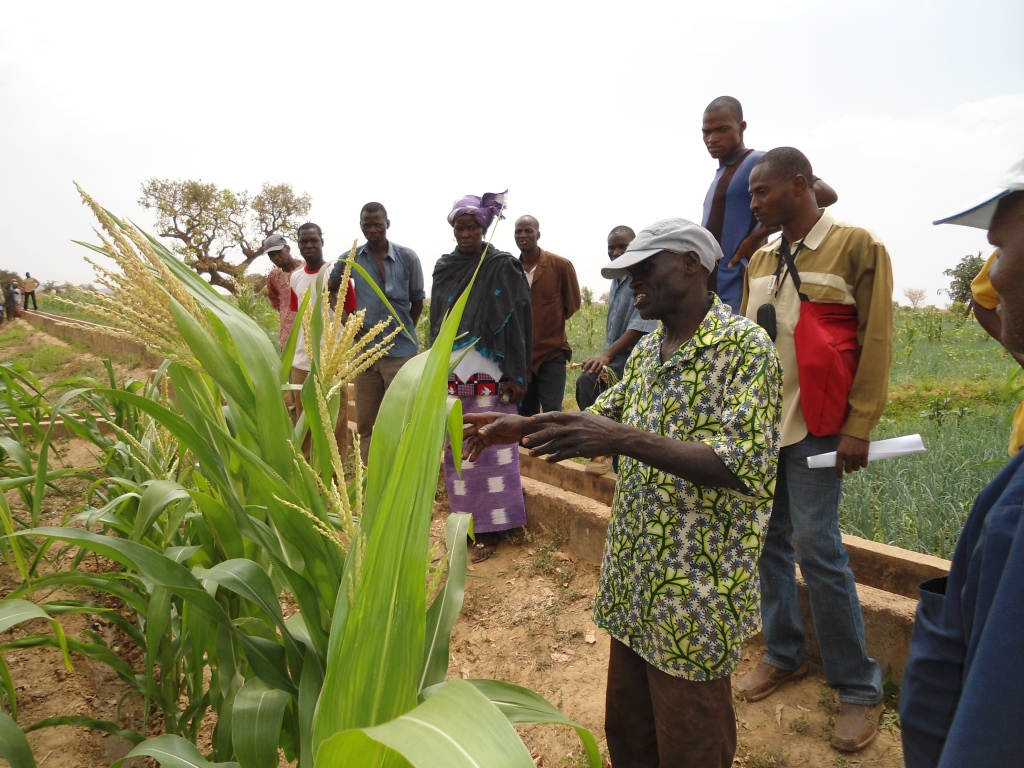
{"x": 856, "y": 726}
{"x": 763, "y": 681}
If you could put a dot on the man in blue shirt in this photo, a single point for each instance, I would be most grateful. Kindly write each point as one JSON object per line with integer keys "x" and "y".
{"x": 727, "y": 213}
{"x": 397, "y": 272}
{"x": 963, "y": 686}
{"x": 624, "y": 327}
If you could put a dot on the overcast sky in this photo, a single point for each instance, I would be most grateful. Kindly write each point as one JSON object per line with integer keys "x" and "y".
{"x": 588, "y": 112}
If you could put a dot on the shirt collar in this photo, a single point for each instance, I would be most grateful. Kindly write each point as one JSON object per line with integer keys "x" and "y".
{"x": 364, "y": 249}
{"x": 816, "y": 236}
{"x": 710, "y": 331}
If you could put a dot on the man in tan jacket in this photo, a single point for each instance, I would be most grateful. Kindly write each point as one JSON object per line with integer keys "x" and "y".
{"x": 845, "y": 270}
{"x": 28, "y": 288}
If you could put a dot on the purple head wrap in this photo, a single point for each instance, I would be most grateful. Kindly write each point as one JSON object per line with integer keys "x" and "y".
{"x": 483, "y": 209}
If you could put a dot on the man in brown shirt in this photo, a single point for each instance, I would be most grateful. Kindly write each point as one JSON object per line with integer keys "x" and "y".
{"x": 554, "y": 297}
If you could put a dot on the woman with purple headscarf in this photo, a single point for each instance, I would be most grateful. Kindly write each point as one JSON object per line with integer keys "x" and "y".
{"x": 493, "y": 374}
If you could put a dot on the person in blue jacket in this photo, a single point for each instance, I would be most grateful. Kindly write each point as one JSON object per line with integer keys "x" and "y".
{"x": 963, "y": 687}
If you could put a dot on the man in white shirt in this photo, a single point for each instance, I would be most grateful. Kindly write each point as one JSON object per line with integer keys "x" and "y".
{"x": 312, "y": 275}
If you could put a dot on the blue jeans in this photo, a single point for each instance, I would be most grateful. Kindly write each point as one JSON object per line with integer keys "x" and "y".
{"x": 807, "y": 510}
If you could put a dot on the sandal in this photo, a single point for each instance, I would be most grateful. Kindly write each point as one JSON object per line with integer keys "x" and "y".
{"x": 486, "y": 547}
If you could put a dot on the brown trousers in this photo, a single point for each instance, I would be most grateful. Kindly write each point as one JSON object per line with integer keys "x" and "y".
{"x": 655, "y": 720}
{"x": 371, "y": 385}
{"x": 299, "y": 376}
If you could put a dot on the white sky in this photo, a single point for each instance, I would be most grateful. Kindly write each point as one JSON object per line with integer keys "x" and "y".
{"x": 588, "y": 112}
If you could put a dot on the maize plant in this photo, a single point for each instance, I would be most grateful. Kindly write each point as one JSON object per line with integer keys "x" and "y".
{"x": 355, "y": 677}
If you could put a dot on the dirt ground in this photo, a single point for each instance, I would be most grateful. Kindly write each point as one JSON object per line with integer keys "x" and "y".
{"x": 526, "y": 619}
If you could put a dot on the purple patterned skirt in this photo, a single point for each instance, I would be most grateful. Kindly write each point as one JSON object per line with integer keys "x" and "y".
{"x": 489, "y": 488}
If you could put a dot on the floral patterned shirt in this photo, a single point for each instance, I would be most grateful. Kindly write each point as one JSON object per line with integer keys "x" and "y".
{"x": 679, "y": 581}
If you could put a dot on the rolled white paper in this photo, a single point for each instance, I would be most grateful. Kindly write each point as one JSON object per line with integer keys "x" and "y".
{"x": 880, "y": 449}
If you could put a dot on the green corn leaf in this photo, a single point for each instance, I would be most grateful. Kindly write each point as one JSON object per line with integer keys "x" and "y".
{"x": 110, "y": 583}
{"x": 380, "y": 294}
{"x": 257, "y": 715}
{"x": 524, "y": 707}
{"x": 215, "y": 359}
{"x": 9, "y": 690}
{"x": 80, "y": 721}
{"x": 221, "y": 523}
{"x": 13, "y": 745}
{"x": 173, "y": 752}
{"x": 249, "y": 580}
{"x": 14, "y": 612}
{"x": 265, "y": 658}
{"x": 157, "y": 496}
{"x": 447, "y": 605}
{"x": 456, "y": 728}
{"x": 376, "y": 651}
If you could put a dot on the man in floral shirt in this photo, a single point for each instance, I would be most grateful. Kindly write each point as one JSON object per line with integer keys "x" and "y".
{"x": 695, "y": 419}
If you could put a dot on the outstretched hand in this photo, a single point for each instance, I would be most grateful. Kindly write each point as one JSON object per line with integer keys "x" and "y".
{"x": 482, "y": 430}
{"x": 559, "y": 435}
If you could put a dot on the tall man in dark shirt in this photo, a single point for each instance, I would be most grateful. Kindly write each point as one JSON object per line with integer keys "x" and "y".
{"x": 554, "y": 298}
{"x": 727, "y": 205}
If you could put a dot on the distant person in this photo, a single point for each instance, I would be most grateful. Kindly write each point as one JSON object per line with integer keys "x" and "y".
{"x": 623, "y": 329}
{"x": 985, "y": 305}
{"x": 554, "y": 298}
{"x": 727, "y": 205}
{"x": 678, "y": 591}
{"x": 963, "y": 685}
{"x": 279, "y": 282}
{"x": 494, "y": 373}
{"x": 17, "y": 299}
{"x": 10, "y": 300}
{"x": 311, "y": 246}
{"x": 822, "y": 279}
{"x": 396, "y": 271}
{"x": 29, "y": 291}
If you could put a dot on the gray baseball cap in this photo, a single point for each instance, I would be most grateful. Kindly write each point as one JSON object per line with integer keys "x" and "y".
{"x": 274, "y": 243}
{"x": 980, "y": 213}
{"x": 676, "y": 235}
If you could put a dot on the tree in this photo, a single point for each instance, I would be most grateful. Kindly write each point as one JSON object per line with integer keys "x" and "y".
{"x": 915, "y": 296}
{"x": 587, "y": 294}
{"x": 211, "y": 226}
{"x": 962, "y": 274}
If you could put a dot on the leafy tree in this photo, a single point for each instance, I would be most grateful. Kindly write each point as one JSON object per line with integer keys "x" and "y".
{"x": 212, "y": 227}
{"x": 587, "y": 294}
{"x": 962, "y": 274}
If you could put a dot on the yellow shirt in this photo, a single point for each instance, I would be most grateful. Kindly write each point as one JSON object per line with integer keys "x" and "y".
{"x": 839, "y": 264}
{"x": 986, "y": 296}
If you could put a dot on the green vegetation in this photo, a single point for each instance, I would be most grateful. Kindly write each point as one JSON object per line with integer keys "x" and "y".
{"x": 961, "y": 275}
{"x": 208, "y": 514}
{"x": 770, "y": 757}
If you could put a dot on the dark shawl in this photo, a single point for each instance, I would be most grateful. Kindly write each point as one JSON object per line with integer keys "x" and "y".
{"x": 497, "y": 314}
